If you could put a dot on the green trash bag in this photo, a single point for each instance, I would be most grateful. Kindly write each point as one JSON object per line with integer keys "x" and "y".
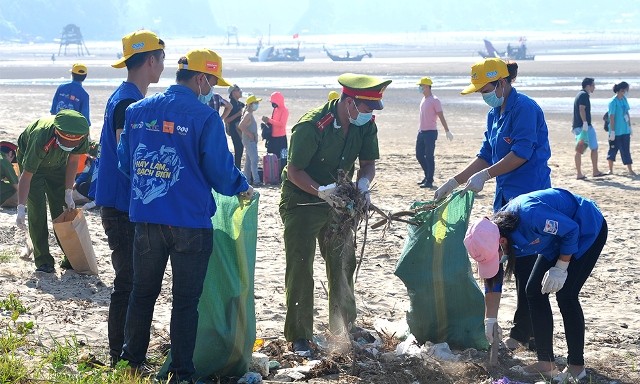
{"x": 227, "y": 321}
{"x": 446, "y": 303}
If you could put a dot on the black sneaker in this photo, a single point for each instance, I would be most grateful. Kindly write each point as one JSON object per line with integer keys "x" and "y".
{"x": 422, "y": 181}
{"x": 302, "y": 347}
{"x": 426, "y": 185}
{"x": 46, "y": 268}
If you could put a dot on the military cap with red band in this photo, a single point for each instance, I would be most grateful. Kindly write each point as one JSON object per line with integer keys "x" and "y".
{"x": 364, "y": 88}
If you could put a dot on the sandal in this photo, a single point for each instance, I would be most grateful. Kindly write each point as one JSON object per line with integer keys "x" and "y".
{"x": 566, "y": 377}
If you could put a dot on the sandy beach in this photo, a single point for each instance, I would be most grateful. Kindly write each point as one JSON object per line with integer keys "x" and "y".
{"x": 66, "y": 303}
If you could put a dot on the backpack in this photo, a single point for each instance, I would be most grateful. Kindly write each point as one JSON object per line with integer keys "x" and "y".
{"x": 606, "y": 121}
{"x": 267, "y": 131}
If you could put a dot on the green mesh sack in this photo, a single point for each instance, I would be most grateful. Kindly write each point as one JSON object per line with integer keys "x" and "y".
{"x": 227, "y": 320}
{"x": 446, "y": 303}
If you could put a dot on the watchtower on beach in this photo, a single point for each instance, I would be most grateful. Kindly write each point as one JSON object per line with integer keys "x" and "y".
{"x": 71, "y": 35}
{"x": 232, "y": 32}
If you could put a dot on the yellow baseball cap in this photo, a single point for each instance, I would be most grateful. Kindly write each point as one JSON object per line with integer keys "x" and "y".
{"x": 205, "y": 61}
{"x": 79, "y": 69}
{"x": 425, "y": 81}
{"x": 333, "y": 95}
{"x": 138, "y": 42}
{"x": 485, "y": 72}
{"x": 252, "y": 99}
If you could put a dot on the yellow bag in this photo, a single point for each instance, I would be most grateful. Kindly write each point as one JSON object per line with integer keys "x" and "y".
{"x": 73, "y": 235}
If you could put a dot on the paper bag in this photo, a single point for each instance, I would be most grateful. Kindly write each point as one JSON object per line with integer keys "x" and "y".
{"x": 73, "y": 235}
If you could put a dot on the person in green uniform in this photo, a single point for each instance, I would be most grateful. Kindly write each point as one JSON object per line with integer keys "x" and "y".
{"x": 325, "y": 140}
{"x": 48, "y": 154}
{"x": 8, "y": 177}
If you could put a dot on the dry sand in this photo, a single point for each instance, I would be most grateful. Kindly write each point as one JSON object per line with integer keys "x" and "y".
{"x": 66, "y": 303}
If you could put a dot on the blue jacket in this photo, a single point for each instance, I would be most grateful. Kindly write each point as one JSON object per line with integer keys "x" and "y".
{"x": 71, "y": 96}
{"x": 175, "y": 150}
{"x": 112, "y": 187}
{"x": 554, "y": 221}
{"x": 522, "y": 130}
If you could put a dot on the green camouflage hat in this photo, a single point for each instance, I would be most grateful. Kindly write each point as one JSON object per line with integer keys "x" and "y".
{"x": 71, "y": 122}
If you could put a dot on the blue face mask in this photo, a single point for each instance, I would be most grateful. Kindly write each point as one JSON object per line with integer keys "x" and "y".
{"x": 361, "y": 119}
{"x": 420, "y": 89}
{"x": 492, "y": 99}
{"x": 204, "y": 99}
{"x": 66, "y": 149}
{"x": 255, "y": 106}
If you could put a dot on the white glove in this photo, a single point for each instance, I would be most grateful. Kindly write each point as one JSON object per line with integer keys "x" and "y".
{"x": 477, "y": 180}
{"x": 22, "y": 214}
{"x": 488, "y": 329}
{"x": 363, "y": 187}
{"x": 325, "y": 192}
{"x": 612, "y": 135}
{"x": 89, "y": 205}
{"x": 555, "y": 277}
{"x": 246, "y": 195}
{"x": 449, "y": 135}
{"x": 585, "y": 126}
{"x": 68, "y": 198}
{"x": 445, "y": 189}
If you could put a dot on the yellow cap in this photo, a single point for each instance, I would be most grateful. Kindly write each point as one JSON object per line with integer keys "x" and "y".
{"x": 485, "y": 72}
{"x": 138, "y": 42}
{"x": 252, "y": 99}
{"x": 425, "y": 81}
{"x": 205, "y": 61}
{"x": 333, "y": 95}
{"x": 79, "y": 69}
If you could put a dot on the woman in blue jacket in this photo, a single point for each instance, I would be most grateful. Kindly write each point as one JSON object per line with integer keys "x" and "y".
{"x": 567, "y": 232}
{"x": 620, "y": 128}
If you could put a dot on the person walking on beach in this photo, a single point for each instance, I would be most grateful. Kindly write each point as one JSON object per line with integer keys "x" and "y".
{"x": 48, "y": 154}
{"x": 430, "y": 110}
{"x": 620, "y": 128}
{"x": 8, "y": 177}
{"x": 249, "y": 129}
{"x": 583, "y": 130}
{"x": 317, "y": 152}
{"x": 72, "y": 95}
{"x": 232, "y": 121}
{"x": 567, "y": 232}
{"x": 175, "y": 151}
{"x": 143, "y": 56}
{"x": 277, "y": 144}
{"x": 515, "y": 151}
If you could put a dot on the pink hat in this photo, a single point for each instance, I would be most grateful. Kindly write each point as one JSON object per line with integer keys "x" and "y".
{"x": 482, "y": 241}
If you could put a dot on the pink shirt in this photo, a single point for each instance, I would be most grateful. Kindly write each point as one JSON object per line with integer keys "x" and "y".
{"x": 429, "y": 108}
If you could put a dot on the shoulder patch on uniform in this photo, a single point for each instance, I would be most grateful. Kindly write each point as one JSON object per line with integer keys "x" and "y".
{"x": 50, "y": 144}
{"x": 551, "y": 226}
{"x": 325, "y": 121}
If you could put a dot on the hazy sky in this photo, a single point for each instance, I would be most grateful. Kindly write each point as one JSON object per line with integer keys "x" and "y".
{"x": 253, "y": 17}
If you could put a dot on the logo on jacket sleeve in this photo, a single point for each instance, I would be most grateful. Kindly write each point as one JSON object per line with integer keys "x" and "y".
{"x": 152, "y": 126}
{"x": 551, "y": 226}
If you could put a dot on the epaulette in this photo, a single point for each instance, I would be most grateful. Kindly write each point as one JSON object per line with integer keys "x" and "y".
{"x": 49, "y": 144}
{"x": 324, "y": 121}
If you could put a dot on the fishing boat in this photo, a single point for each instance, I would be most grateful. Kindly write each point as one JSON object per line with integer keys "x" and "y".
{"x": 347, "y": 56}
{"x": 271, "y": 53}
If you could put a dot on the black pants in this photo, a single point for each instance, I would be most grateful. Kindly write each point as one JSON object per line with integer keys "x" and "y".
{"x": 568, "y": 302}
{"x": 522, "y": 330}
{"x": 120, "y": 234}
{"x": 238, "y": 147}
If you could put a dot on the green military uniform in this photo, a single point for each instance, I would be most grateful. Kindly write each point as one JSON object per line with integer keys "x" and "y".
{"x": 8, "y": 179}
{"x": 39, "y": 154}
{"x": 319, "y": 147}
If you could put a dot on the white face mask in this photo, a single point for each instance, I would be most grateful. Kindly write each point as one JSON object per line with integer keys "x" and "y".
{"x": 66, "y": 149}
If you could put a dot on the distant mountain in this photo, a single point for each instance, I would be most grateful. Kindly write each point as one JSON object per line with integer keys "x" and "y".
{"x": 104, "y": 20}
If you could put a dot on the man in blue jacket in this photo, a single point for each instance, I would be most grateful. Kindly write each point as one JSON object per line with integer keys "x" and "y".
{"x": 72, "y": 95}
{"x": 174, "y": 149}
{"x": 144, "y": 59}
